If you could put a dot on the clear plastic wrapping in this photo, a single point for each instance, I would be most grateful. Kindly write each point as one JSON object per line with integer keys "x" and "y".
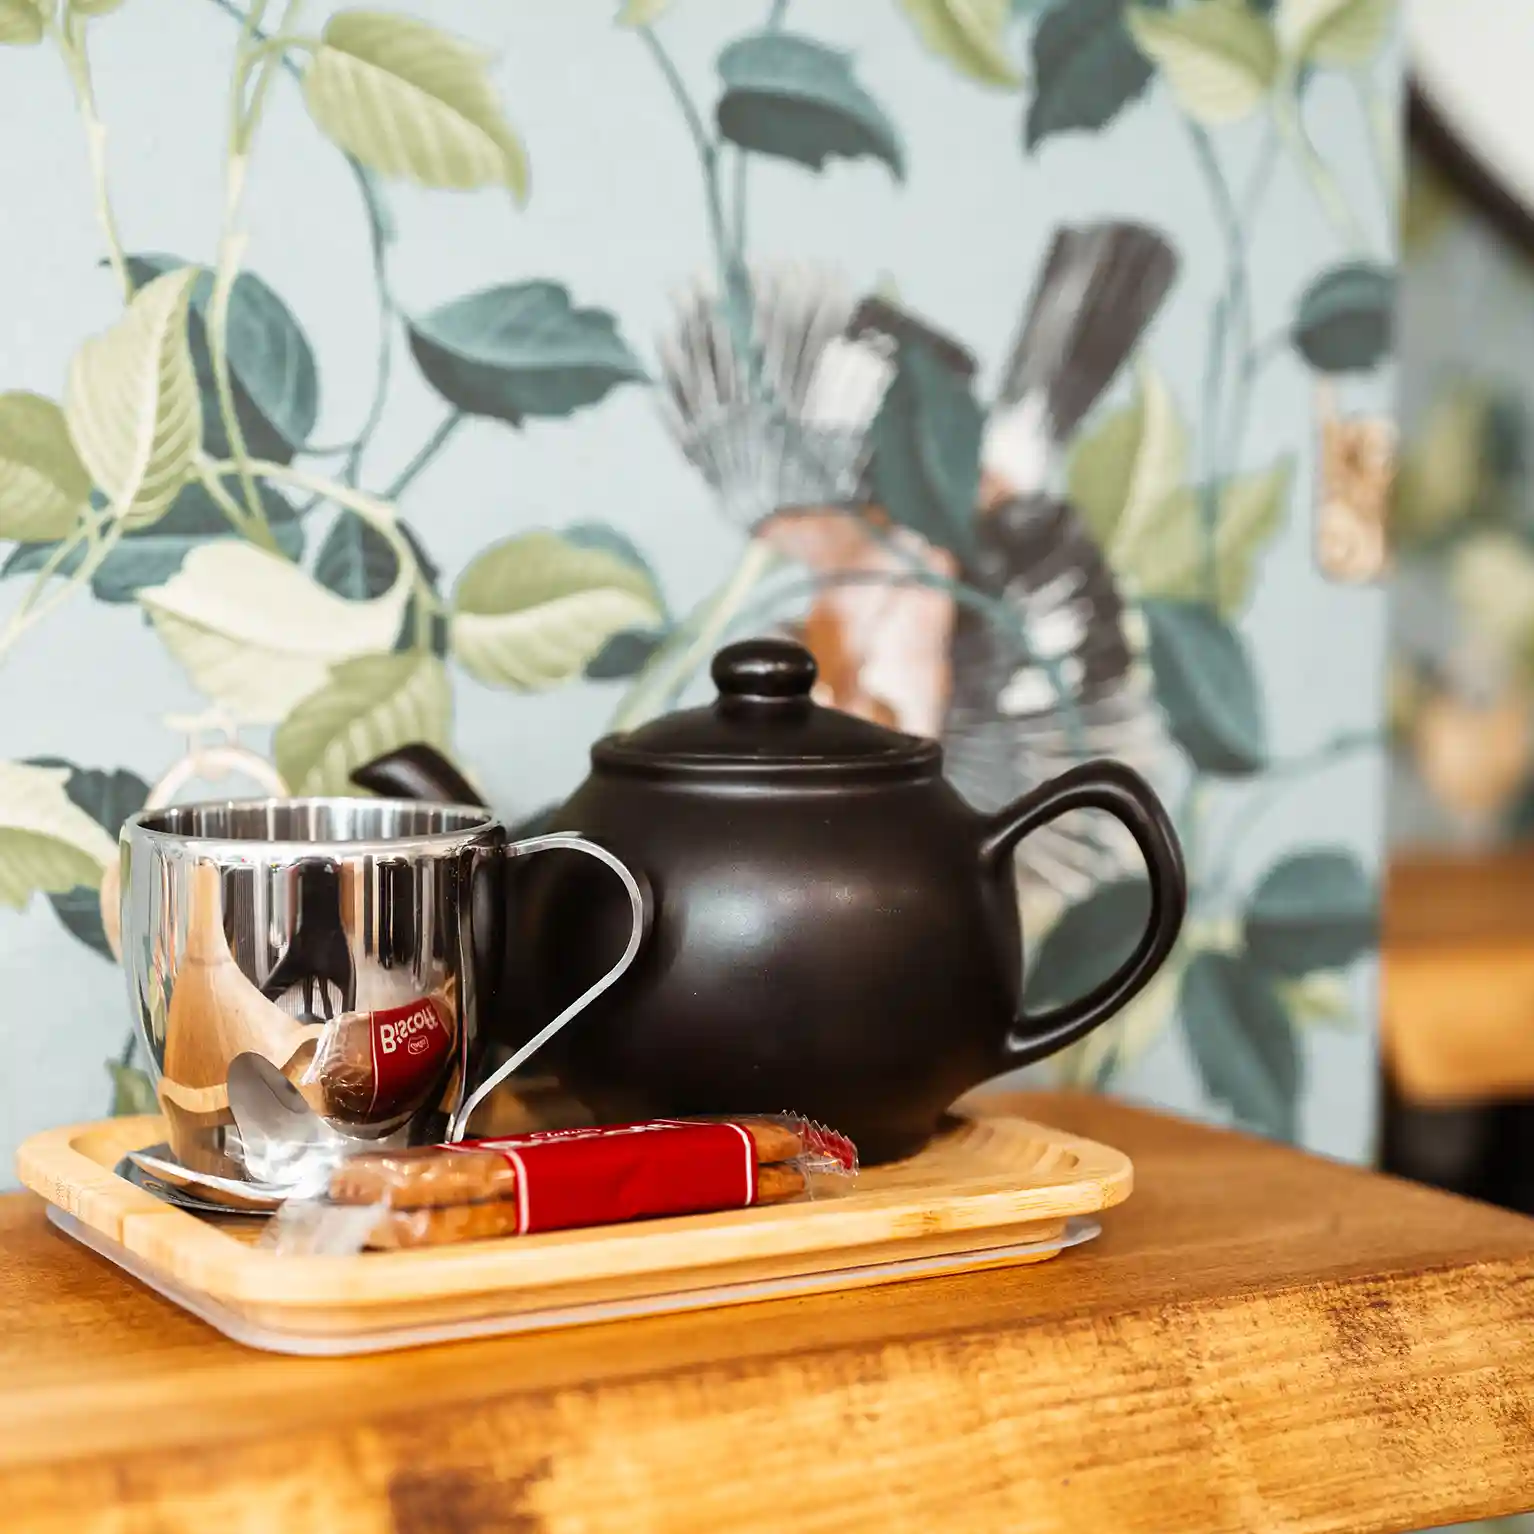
{"x": 562, "y": 1179}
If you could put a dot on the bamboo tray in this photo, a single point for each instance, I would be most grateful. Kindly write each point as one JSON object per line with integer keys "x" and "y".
{"x": 989, "y": 1191}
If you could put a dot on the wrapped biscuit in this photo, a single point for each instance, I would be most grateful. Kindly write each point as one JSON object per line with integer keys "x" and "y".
{"x": 370, "y": 1067}
{"x": 566, "y": 1178}
{"x": 430, "y": 1176}
{"x": 399, "y": 1229}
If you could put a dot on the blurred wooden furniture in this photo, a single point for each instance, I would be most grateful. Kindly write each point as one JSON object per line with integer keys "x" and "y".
{"x": 1259, "y": 1340}
{"x": 1457, "y": 983}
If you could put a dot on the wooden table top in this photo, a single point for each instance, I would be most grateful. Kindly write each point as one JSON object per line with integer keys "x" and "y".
{"x": 1259, "y": 1341}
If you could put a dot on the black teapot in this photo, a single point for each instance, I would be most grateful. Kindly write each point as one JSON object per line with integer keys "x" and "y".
{"x": 834, "y": 929}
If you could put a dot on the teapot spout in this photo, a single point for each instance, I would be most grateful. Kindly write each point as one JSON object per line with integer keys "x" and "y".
{"x": 416, "y": 771}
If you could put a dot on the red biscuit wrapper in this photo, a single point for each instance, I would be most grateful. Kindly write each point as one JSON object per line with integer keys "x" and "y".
{"x": 560, "y": 1179}
{"x": 374, "y": 1066}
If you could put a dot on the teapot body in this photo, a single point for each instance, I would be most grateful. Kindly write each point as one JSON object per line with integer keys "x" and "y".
{"x": 840, "y": 954}
{"x": 832, "y": 930}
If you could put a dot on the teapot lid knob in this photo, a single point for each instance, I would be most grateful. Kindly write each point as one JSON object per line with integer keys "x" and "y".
{"x": 765, "y": 669}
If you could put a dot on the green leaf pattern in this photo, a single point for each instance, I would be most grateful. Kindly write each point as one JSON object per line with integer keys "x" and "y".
{"x": 132, "y": 1091}
{"x": 533, "y": 611}
{"x": 132, "y": 403}
{"x": 1243, "y": 1042}
{"x": 1219, "y": 58}
{"x": 1343, "y": 33}
{"x": 522, "y": 350}
{"x": 271, "y": 364}
{"x": 368, "y": 705}
{"x": 1207, "y": 686}
{"x": 1345, "y": 318}
{"x": 411, "y": 101}
{"x": 21, "y": 22}
{"x": 970, "y": 34}
{"x": 48, "y": 845}
{"x": 924, "y": 449}
{"x": 799, "y": 100}
{"x": 1086, "y": 69}
{"x": 43, "y": 484}
{"x": 1315, "y": 909}
{"x": 258, "y": 634}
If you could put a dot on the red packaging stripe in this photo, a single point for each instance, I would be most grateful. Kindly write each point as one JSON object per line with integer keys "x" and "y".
{"x": 408, "y": 1045}
{"x": 599, "y": 1176}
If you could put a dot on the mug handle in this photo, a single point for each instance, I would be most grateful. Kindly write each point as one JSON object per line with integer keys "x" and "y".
{"x": 643, "y": 909}
{"x": 1124, "y": 794}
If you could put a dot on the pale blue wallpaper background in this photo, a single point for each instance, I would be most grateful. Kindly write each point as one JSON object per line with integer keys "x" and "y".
{"x": 180, "y": 604}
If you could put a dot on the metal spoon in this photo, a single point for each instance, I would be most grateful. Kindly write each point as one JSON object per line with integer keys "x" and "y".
{"x": 287, "y": 1146}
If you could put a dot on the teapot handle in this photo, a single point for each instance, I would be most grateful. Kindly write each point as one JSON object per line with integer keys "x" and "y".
{"x": 1124, "y": 794}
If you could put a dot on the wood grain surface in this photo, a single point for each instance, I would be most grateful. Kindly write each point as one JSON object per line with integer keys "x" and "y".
{"x": 1260, "y": 1341}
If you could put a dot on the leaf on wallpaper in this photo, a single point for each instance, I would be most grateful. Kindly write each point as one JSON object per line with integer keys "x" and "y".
{"x": 1097, "y": 1059}
{"x": 1170, "y": 559}
{"x": 1345, "y": 319}
{"x": 132, "y": 403}
{"x": 1313, "y": 909}
{"x": 924, "y": 449}
{"x": 970, "y": 34}
{"x": 79, "y": 913}
{"x": 369, "y": 705}
{"x": 256, "y": 634}
{"x": 47, "y": 842}
{"x": 411, "y": 101}
{"x": 534, "y": 610}
{"x": 93, "y": 7}
{"x": 22, "y": 22}
{"x": 1086, "y": 69}
{"x": 795, "y": 98}
{"x": 150, "y": 556}
{"x": 522, "y": 350}
{"x": 1335, "y": 32}
{"x": 1219, "y": 58}
{"x": 1090, "y": 940}
{"x": 272, "y": 372}
{"x": 1319, "y": 1000}
{"x": 625, "y": 655}
{"x": 1127, "y": 478}
{"x": 603, "y": 535}
{"x": 1207, "y": 688}
{"x": 132, "y": 1091}
{"x": 108, "y": 798}
{"x": 1123, "y": 469}
{"x": 43, "y": 484}
{"x": 355, "y": 560}
{"x": 628, "y": 652}
{"x": 640, "y": 13}
{"x": 1243, "y": 1042}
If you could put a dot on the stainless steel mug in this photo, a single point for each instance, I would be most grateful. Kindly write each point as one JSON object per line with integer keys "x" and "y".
{"x": 338, "y": 954}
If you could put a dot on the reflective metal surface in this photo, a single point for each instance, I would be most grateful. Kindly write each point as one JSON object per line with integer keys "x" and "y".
{"x": 354, "y": 945}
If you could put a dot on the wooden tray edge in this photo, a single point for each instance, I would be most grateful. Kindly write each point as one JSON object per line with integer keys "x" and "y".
{"x": 199, "y": 1255}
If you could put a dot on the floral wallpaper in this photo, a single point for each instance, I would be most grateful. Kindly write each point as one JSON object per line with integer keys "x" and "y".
{"x": 469, "y": 377}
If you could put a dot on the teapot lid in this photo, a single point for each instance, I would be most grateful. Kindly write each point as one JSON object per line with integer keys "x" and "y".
{"x": 765, "y": 724}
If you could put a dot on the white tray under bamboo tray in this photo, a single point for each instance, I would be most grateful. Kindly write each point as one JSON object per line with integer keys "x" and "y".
{"x": 988, "y": 1191}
